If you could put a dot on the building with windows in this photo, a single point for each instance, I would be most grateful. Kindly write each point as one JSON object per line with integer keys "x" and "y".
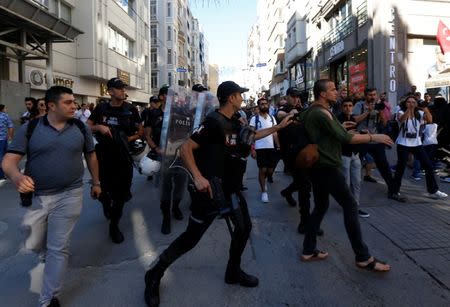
{"x": 178, "y": 46}
{"x": 79, "y": 45}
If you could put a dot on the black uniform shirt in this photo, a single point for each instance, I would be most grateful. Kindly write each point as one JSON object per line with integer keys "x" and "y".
{"x": 218, "y": 140}
{"x": 154, "y": 120}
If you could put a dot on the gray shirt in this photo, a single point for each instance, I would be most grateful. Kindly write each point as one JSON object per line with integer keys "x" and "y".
{"x": 370, "y": 123}
{"x": 54, "y": 157}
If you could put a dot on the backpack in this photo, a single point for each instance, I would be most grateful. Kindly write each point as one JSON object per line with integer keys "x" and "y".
{"x": 257, "y": 121}
{"x": 34, "y": 122}
{"x": 305, "y": 151}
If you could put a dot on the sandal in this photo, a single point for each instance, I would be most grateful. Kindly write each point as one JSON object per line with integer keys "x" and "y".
{"x": 316, "y": 255}
{"x": 372, "y": 265}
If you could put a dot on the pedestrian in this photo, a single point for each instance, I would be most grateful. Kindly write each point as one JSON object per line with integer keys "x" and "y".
{"x": 116, "y": 123}
{"x": 369, "y": 121}
{"x": 327, "y": 179}
{"x": 6, "y": 134}
{"x": 29, "y": 102}
{"x": 53, "y": 182}
{"x": 265, "y": 148}
{"x": 409, "y": 141}
{"x": 351, "y": 162}
{"x": 83, "y": 113}
{"x": 210, "y": 155}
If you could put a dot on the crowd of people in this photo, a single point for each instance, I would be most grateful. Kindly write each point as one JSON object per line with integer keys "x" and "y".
{"x": 323, "y": 144}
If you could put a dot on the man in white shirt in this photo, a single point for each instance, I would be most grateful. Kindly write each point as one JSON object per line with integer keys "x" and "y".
{"x": 266, "y": 154}
{"x": 83, "y": 113}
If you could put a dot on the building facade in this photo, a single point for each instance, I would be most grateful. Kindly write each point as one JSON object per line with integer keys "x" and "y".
{"x": 178, "y": 46}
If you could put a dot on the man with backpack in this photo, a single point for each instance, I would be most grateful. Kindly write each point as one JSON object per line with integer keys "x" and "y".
{"x": 266, "y": 154}
{"x": 116, "y": 124}
{"x": 54, "y": 145}
{"x": 325, "y": 131}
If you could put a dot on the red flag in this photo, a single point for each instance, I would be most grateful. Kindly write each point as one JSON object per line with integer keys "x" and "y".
{"x": 443, "y": 37}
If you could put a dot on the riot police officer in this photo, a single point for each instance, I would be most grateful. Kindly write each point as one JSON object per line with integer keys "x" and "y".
{"x": 210, "y": 154}
{"x": 115, "y": 123}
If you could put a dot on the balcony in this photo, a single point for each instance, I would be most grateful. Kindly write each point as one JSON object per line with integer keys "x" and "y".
{"x": 361, "y": 14}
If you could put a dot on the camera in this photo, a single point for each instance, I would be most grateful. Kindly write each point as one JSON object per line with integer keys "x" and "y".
{"x": 26, "y": 199}
{"x": 380, "y": 106}
{"x": 411, "y": 135}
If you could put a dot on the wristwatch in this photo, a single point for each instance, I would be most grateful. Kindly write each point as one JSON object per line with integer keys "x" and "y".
{"x": 95, "y": 184}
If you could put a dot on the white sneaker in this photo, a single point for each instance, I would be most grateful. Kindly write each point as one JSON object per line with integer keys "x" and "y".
{"x": 437, "y": 195}
{"x": 264, "y": 197}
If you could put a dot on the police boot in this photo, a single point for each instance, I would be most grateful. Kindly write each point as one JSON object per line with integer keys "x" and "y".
{"x": 115, "y": 233}
{"x": 234, "y": 275}
{"x": 176, "y": 212}
{"x": 165, "y": 208}
{"x": 152, "y": 281}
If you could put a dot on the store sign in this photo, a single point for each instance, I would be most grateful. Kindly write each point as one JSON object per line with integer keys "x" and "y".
{"x": 124, "y": 76}
{"x": 103, "y": 89}
{"x": 336, "y": 49}
{"x": 361, "y": 67}
{"x": 392, "y": 52}
{"x": 38, "y": 78}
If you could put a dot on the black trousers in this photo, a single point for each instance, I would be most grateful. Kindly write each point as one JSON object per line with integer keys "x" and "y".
{"x": 203, "y": 214}
{"x": 377, "y": 151}
{"x": 420, "y": 154}
{"x": 302, "y": 184}
{"x": 330, "y": 181}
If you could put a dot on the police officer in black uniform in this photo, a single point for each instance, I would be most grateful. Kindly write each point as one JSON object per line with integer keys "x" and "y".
{"x": 287, "y": 139}
{"x": 211, "y": 154}
{"x": 115, "y": 123}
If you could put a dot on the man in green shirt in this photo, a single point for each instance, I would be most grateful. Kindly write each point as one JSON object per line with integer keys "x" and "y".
{"x": 326, "y": 177}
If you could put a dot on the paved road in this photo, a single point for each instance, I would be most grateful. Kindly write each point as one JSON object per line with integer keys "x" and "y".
{"x": 414, "y": 237}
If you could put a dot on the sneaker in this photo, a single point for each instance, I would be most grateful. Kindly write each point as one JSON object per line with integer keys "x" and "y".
{"x": 415, "y": 177}
{"x": 264, "y": 197}
{"x": 370, "y": 179}
{"x": 397, "y": 197}
{"x": 291, "y": 201}
{"x": 437, "y": 195}
{"x": 363, "y": 214}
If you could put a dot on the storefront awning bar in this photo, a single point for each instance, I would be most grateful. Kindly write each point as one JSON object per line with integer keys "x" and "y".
{"x": 28, "y": 15}
{"x": 17, "y": 47}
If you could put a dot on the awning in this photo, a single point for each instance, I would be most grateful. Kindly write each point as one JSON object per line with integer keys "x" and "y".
{"x": 440, "y": 80}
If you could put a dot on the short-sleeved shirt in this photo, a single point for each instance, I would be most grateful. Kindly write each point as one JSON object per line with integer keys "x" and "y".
{"x": 218, "y": 140}
{"x": 412, "y": 127}
{"x": 154, "y": 120}
{"x": 5, "y": 124}
{"x": 83, "y": 115}
{"x": 54, "y": 157}
{"x": 262, "y": 123}
{"x": 124, "y": 118}
{"x": 370, "y": 123}
{"x": 328, "y": 134}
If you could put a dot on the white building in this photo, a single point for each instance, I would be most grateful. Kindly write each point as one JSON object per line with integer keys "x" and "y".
{"x": 112, "y": 41}
{"x": 178, "y": 47}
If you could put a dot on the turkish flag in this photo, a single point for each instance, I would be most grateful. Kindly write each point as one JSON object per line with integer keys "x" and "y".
{"x": 443, "y": 37}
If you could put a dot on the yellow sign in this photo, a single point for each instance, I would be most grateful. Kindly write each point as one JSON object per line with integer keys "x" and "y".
{"x": 103, "y": 89}
{"x": 124, "y": 76}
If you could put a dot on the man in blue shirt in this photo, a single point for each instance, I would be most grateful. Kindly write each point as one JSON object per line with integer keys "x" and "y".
{"x": 6, "y": 133}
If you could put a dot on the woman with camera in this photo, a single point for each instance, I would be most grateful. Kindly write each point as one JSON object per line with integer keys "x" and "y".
{"x": 410, "y": 119}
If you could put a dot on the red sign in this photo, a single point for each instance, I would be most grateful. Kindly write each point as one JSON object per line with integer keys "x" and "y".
{"x": 361, "y": 67}
{"x": 443, "y": 37}
{"x": 358, "y": 78}
{"x": 357, "y": 88}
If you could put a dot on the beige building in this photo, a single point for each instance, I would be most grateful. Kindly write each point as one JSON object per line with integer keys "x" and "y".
{"x": 213, "y": 78}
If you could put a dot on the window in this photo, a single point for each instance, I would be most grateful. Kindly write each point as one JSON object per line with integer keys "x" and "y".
{"x": 153, "y": 9}
{"x": 169, "y": 9}
{"x": 169, "y": 33}
{"x": 169, "y": 79}
{"x": 169, "y": 56}
{"x": 154, "y": 34}
{"x": 154, "y": 80}
{"x": 120, "y": 43}
{"x": 65, "y": 12}
{"x": 154, "y": 57}
{"x": 146, "y": 65}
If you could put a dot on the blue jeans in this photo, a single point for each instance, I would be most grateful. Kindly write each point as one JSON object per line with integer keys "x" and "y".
{"x": 3, "y": 148}
{"x": 351, "y": 167}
